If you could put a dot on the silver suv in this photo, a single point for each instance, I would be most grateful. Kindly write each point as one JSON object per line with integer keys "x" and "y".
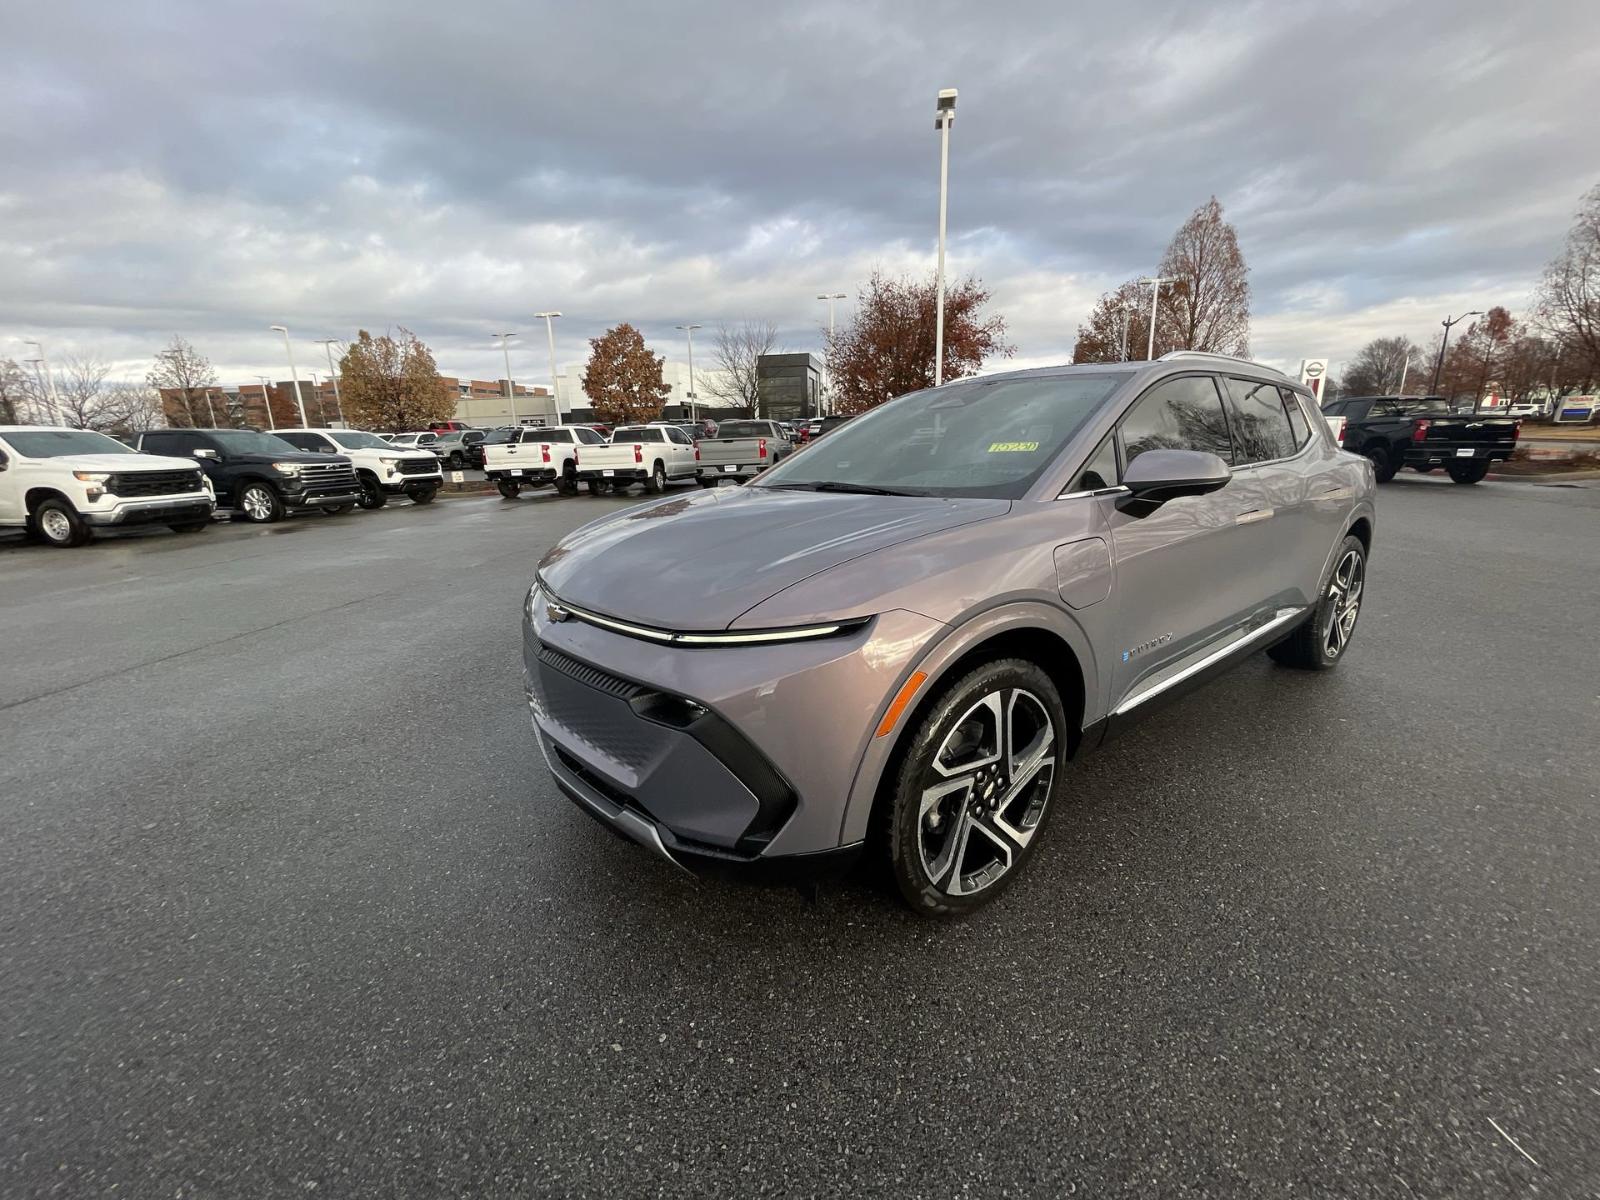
{"x": 898, "y": 637}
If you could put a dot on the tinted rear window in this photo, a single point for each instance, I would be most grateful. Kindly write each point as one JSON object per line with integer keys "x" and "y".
{"x": 636, "y": 435}
{"x": 744, "y": 429}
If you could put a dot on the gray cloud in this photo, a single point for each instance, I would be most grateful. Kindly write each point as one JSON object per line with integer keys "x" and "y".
{"x": 214, "y": 168}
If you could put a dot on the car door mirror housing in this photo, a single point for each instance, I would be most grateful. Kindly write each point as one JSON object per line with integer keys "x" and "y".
{"x": 1157, "y": 476}
{"x": 204, "y": 453}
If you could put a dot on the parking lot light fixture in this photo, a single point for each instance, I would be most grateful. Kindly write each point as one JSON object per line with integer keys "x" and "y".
{"x": 266, "y": 398}
{"x": 338, "y": 402}
{"x": 299, "y": 400}
{"x": 694, "y": 414}
{"x": 1157, "y": 281}
{"x": 1438, "y": 363}
{"x": 944, "y": 117}
{"x": 511, "y": 388}
{"x": 550, "y": 332}
{"x": 830, "y": 297}
{"x": 54, "y": 403}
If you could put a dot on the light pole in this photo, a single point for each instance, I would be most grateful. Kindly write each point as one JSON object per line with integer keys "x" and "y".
{"x": 1438, "y": 363}
{"x": 338, "y": 401}
{"x": 299, "y": 400}
{"x": 688, "y": 330}
{"x": 550, "y": 332}
{"x": 830, "y": 297}
{"x": 54, "y": 405}
{"x": 944, "y": 115}
{"x": 511, "y": 388}
{"x": 1155, "y": 294}
{"x": 266, "y": 397}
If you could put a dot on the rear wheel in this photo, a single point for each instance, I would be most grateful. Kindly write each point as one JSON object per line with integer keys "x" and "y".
{"x": 1321, "y": 639}
{"x": 975, "y": 786}
{"x": 334, "y": 510}
{"x": 657, "y": 482}
{"x": 1383, "y": 466}
{"x": 424, "y": 495}
{"x": 567, "y": 482}
{"x": 707, "y": 483}
{"x": 508, "y": 489}
{"x": 260, "y": 504}
{"x": 372, "y": 495}
{"x": 58, "y": 524}
{"x": 596, "y": 488}
{"x": 1468, "y": 472}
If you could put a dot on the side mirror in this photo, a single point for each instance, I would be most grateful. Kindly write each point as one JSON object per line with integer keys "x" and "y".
{"x": 204, "y": 453}
{"x": 1157, "y": 476}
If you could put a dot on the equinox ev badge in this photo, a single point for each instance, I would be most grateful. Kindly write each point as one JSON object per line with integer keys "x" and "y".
{"x": 1146, "y": 646}
{"x": 555, "y": 611}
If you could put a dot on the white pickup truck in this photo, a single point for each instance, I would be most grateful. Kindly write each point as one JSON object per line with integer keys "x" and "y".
{"x": 647, "y": 454}
{"x": 382, "y": 469}
{"x": 517, "y": 458}
{"x": 62, "y": 484}
{"x": 741, "y": 450}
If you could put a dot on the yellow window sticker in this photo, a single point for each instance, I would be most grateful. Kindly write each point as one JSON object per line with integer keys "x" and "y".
{"x": 1012, "y": 447}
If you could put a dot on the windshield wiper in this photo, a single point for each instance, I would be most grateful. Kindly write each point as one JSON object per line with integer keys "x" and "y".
{"x": 834, "y": 485}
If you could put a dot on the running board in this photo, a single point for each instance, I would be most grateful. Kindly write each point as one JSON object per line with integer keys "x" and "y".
{"x": 1281, "y": 618}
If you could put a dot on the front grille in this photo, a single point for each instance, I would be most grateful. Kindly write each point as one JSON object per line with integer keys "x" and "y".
{"x": 328, "y": 478}
{"x": 153, "y": 483}
{"x": 417, "y": 466}
{"x": 612, "y": 685}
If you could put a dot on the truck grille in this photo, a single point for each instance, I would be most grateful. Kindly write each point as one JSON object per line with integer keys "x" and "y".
{"x": 153, "y": 483}
{"x": 417, "y": 466}
{"x": 328, "y": 478}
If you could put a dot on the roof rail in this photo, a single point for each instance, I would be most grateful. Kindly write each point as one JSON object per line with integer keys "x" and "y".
{"x": 1172, "y": 355}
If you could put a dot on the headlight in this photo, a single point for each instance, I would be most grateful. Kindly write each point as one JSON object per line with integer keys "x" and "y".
{"x": 92, "y": 476}
{"x": 388, "y": 462}
{"x": 288, "y": 468}
{"x": 529, "y": 601}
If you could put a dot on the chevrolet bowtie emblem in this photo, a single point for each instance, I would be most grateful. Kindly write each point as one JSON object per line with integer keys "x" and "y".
{"x": 556, "y": 612}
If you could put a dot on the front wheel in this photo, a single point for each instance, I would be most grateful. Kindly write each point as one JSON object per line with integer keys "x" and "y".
{"x": 1468, "y": 472}
{"x": 457, "y": 463}
{"x": 424, "y": 495}
{"x": 1383, "y": 464}
{"x": 260, "y": 504}
{"x": 1319, "y": 642}
{"x": 333, "y": 510}
{"x": 567, "y": 484}
{"x": 657, "y": 482}
{"x": 508, "y": 489}
{"x": 975, "y": 786}
{"x": 58, "y": 524}
{"x": 372, "y": 493}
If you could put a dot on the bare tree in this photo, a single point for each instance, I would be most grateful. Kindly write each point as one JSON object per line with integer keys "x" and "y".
{"x": 1380, "y": 367}
{"x": 739, "y": 351}
{"x": 186, "y": 374}
{"x": 1210, "y": 294}
{"x": 1569, "y": 294}
{"x": 16, "y": 395}
{"x": 82, "y": 391}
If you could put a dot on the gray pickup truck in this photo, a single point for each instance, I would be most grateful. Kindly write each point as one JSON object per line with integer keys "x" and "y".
{"x": 741, "y": 450}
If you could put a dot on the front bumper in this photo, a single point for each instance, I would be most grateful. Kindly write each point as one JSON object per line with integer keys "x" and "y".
{"x": 174, "y": 510}
{"x": 299, "y": 500}
{"x": 522, "y": 475}
{"x": 734, "y": 757}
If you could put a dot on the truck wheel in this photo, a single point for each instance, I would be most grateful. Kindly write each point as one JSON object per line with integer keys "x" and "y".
{"x": 260, "y": 504}
{"x": 189, "y": 527}
{"x": 567, "y": 483}
{"x": 424, "y": 495}
{"x": 1319, "y": 642}
{"x": 457, "y": 463}
{"x": 657, "y": 483}
{"x": 333, "y": 510}
{"x": 707, "y": 483}
{"x": 1468, "y": 472}
{"x": 1383, "y": 466}
{"x": 596, "y": 488}
{"x": 509, "y": 489}
{"x": 372, "y": 494}
{"x": 58, "y": 524}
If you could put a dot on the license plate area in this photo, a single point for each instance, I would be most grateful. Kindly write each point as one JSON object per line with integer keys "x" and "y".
{"x": 730, "y": 470}
{"x": 516, "y": 470}
{"x": 608, "y": 473}
{"x": 1465, "y": 452}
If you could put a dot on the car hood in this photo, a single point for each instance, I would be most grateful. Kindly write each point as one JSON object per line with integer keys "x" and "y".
{"x": 702, "y": 561}
{"x": 121, "y": 462}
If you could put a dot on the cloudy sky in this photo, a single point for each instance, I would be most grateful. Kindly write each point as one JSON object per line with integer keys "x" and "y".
{"x": 212, "y": 168}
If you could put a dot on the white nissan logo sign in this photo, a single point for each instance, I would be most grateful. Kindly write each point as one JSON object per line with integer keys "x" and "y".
{"x": 1313, "y": 370}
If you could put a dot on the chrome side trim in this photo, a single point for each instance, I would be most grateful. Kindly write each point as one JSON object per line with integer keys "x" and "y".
{"x": 1283, "y": 617}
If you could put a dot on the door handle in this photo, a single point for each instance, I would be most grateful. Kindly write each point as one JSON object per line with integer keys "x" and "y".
{"x": 1254, "y": 515}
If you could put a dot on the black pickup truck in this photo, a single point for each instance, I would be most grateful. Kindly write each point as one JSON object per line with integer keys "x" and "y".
{"x": 258, "y": 476}
{"x": 1423, "y": 432}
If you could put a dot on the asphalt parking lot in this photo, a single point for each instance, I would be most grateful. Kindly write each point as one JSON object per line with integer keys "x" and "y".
{"x": 287, "y": 905}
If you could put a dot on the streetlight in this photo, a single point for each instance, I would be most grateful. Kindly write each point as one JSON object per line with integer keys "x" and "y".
{"x": 830, "y": 297}
{"x": 338, "y": 403}
{"x": 511, "y": 388}
{"x": 689, "y": 331}
{"x": 266, "y": 396}
{"x": 943, "y": 116}
{"x": 54, "y": 405}
{"x": 1155, "y": 295}
{"x": 1438, "y": 364}
{"x": 299, "y": 400}
{"x": 550, "y": 332}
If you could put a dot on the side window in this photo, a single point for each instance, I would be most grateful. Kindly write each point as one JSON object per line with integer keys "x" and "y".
{"x": 1333, "y": 408}
{"x": 679, "y": 436}
{"x": 178, "y": 445}
{"x": 588, "y": 437}
{"x": 1355, "y": 410}
{"x": 558, "y": 435}
{"x": 302, "y": 441}
{"x": 1260, "y": 426}
{"x": 1180, "y": 414}
{"x": 1298, "y": 423}
{"x": 1100, "y": 471}
{"x": 1385, "y": 408}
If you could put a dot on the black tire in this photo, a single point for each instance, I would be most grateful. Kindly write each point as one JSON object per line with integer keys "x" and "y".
{"x": 457, "y": 463}
{"x": 567, "y": 483}
{"x": 372, "y": 494}
{"x": 1383, "y": 464}
{"x": 1312, "y": 646}
{"x": 333, "y": 510}
{"x": 259, "y": 502}
{"x": 1468, "y": 472}
{"x": 56, "y": 523}
{"x": 508, "y": 489}
{"x": 423, "y": 495}
{"x": 707, "y": 483}
{"x": 958, "y": 879}
{"x": 190, "y": 527}
{"x": 597, "y": 488}
{"x": 656, "y": 482}
{"x": 1423, "y": 469}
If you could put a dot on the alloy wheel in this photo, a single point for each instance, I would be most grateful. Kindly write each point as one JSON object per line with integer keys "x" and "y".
{"x": 1344, "y": 595}
{"x": 985, "y": 790}
{"x": 257, "y": 504}
{"x": 54, "y": 525}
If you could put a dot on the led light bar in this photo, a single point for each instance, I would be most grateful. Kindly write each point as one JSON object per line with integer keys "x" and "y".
{"x": 728, "y": 637}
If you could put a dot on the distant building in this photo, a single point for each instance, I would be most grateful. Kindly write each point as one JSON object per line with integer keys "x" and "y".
{"x": 479, "y": 402}
{"x": 789, "y": 386}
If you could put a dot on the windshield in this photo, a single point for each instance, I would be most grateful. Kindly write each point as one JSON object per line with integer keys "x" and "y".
{"x": 53, "y": 443}
{"x": 246, "y": 441}
{"x": 355, "y": 439}
{"x": 991, "y": 439}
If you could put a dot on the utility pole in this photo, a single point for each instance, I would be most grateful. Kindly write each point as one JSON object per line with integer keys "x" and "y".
{"x": 944, "y": 116}
{"x": 511, "y": 388}
{"x": 266, "y": 397}
{"x": 830, "y": 297}
{"x": 1155, "y": 294}
{"x": 694, "y": 413}
{"x": 299, "y": 400}
{"x": 550, "y": 332}
{"x": 338, "y": 402}
{"x": 1438, "y": 365}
